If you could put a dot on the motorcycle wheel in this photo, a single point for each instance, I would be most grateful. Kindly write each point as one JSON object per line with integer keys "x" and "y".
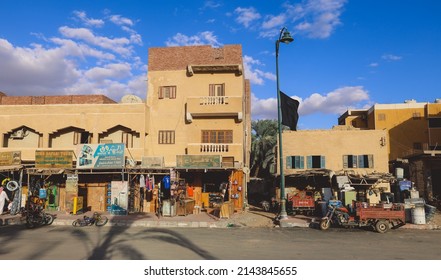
{"x": 325, "y": 224}
{"x": 78, "y": 223}
{"x": 48, "y": 219}
{"x": 382, "y": 226}
{"x": 101, "y": 221}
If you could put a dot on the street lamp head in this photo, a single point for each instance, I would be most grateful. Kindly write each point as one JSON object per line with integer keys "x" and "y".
{"x": 286, "y": 37}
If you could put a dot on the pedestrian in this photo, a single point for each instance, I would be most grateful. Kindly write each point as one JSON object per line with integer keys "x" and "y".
{"x": 3, "y": 198}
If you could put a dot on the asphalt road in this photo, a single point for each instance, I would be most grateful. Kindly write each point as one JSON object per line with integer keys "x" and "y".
{"x": 137, "y": 243}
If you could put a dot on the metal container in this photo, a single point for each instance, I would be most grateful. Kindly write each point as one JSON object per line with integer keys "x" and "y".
{"x": 418, "y": 215}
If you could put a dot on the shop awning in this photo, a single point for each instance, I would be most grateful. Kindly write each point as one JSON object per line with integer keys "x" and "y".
{"x": 7, "y": 168}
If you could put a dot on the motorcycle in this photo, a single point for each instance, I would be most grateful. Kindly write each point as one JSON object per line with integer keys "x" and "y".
{"x": 96, "y": 219}
{"x": 336, "y": 215}
{"x": 36, "y": 216}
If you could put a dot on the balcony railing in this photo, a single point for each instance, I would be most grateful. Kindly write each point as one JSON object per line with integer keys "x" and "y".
{"x": 213, "y": 106}
{"x": 214, "y": 148}
{"x": 213, "y": 100}
{"x": 224, "y": 149}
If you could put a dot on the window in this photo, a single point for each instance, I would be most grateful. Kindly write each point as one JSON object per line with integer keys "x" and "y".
{"x": 127, "y": 138}
{"x": 349, "y": 161}
{"x": 166, "y": 137}
{"x": 217, "y": 136}
{"x": 295, "y": 162}
{"x": 315, "y": 162}
{"x": 217, "y": 90}
{"x": 81, "y": 138}
{"x": 381, "y": 117}
{"x": 366, "y": 161}
{"x": 435, "y": 123}
{"x": 167, "y": 92}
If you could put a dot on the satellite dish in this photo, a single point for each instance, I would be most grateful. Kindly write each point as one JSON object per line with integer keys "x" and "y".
{"x": 131, "y": 98}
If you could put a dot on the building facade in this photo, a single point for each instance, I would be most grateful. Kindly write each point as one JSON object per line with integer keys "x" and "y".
{"x": 414, "y": 130}
{"x": 194, "y": 126}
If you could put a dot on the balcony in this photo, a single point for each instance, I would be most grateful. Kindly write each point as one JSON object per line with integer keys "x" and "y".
{"x": 214, "y": 106}
{"x": 219, "y": 149}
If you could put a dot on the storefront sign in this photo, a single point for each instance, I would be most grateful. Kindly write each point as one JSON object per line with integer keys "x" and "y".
{"x": 100, "y": 156}
{"x": 152, "y": 162}
{"x": 53, "y": 159}
{"x": 198, "y": 161}
{"x": 10, "y": 158}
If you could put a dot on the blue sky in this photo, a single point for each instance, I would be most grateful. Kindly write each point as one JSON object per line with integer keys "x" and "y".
{"x": 346, "y": 53}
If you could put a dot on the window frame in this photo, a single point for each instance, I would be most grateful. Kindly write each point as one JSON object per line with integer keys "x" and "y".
{"x": 166, "y": 137}
{"x": 216, "y": 90}
{"x": 215, "y": 137}
{"x": 167, "y": 92}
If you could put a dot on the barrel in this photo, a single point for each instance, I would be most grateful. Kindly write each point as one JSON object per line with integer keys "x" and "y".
{"x": 418, "y": 215}
{"x": 430, "y": 212}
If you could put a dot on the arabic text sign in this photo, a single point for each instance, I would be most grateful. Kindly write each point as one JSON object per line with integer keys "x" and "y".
{"x": 100, "y": 156}
{"x": 53, "y": 159}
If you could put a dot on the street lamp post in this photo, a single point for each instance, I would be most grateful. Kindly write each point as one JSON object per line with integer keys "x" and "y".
{"x": 286, "y": 38}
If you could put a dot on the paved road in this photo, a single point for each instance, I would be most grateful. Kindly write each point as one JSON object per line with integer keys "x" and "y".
{"x": 137, "y": 243}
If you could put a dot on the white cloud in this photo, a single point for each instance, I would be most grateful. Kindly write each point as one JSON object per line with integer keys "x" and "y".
{"x": 274, "y": 21}
{"x": 202, "y": 38}
{"x": 391, "y": 57}
{"x": 81, "y": 15}
{"x": 312, "y": 18}
{"x": 246, "y": 16}
{"x": 119, "y": 20}
{"x": 335, "y": 102}
{"x": 109, "y": 71}
{"x": 76, "y": 62}
{"x": 255, "y": 76}
{"x": 374, "y": 64}
{"x": 32, "y": 69}
{"x": 119, "y": 45}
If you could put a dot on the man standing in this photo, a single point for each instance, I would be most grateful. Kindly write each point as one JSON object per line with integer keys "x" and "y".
{"x": 3, "y": 198}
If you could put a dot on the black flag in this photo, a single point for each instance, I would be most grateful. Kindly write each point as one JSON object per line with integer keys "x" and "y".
{"x": 289, "y": 108}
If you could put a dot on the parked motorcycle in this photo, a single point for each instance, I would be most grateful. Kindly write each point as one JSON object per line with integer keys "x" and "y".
{"x": 36, "y": 216}
{"x": 380, "y": 217}
{"x": 96, "y": 219}
{"x": 336, "y": 215}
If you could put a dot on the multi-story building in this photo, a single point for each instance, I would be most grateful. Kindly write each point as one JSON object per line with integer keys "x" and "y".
{"x": 199, "y": 115}
{"x": 194, "y": 126}
{"x": 414, "y": 130}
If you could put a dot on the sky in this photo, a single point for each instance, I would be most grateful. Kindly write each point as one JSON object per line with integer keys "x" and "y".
{"x": 346, "y": 54}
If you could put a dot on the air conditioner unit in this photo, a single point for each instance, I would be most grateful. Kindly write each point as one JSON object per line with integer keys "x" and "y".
{"x": 18, "y": 134}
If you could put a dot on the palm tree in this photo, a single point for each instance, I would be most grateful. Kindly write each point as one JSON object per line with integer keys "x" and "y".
{"x": 264, "y": 141}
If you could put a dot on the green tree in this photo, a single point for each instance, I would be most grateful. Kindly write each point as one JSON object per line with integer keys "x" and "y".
{"x": 264, "y": 141}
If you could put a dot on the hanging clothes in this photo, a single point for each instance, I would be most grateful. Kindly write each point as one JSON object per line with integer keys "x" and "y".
{"x": 142, "y": 181}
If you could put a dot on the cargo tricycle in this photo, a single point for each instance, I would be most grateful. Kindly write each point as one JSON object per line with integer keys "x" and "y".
{"x": 301, "y": 203}
{"x": 380, "y": 217}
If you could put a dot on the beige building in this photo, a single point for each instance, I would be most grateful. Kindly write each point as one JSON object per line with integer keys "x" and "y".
{"x": 339, "y": 149}
{"x": 414, "y": 130}
{"x": 317, "y": 160}
{"x": 194, "y": 125}
{"x": 412, "y": 126}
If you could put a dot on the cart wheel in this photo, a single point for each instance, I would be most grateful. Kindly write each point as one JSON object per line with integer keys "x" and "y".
{"x": 325, "y": 224}
{"x": 382, "y": 226}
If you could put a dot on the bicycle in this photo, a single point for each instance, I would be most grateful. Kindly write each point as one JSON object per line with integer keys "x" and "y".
{"x": 96, "y": 219}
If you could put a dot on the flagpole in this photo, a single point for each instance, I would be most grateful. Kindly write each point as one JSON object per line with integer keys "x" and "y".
{"x": 286, "y": 38}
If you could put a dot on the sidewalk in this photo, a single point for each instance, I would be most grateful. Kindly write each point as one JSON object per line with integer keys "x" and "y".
{"x": 248, "y": 218}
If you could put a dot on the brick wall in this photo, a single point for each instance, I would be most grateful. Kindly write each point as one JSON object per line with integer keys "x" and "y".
{"x": 59, "y": 99}
{"x": 177, "y": 58}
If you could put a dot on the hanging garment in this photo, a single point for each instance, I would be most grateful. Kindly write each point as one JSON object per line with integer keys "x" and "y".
{"x": 142, "y": 181}
{"x": 166, "y": 182}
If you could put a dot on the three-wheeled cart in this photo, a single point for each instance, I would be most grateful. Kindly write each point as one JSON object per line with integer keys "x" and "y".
{"x": 381, "y": 216}
{"x": 301, "y": 203}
